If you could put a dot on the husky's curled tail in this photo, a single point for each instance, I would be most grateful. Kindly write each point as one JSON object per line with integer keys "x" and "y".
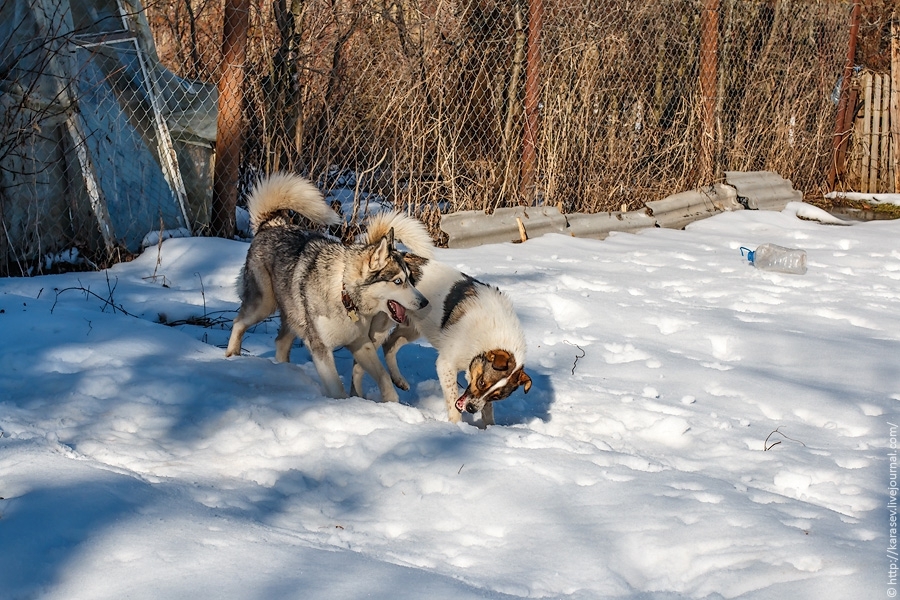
{"x": 285, "y": 191}
{"x": 408, "y": 230}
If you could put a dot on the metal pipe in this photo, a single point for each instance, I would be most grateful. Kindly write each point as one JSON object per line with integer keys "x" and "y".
{"x": 709, "y": 73}
{"x": 230, "y": 131}
{"x": 532, "y": 101}
{"x": 841, "y": 135}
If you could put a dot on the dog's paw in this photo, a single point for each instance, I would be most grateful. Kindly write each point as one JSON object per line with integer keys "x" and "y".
{"x": 401, "y": 383}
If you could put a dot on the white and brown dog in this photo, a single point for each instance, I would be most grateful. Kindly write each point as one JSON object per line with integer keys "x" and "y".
{"x": 472, "y": 325}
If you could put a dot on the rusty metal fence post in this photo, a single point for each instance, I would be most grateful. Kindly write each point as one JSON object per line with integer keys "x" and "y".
{"x": 229, "y": 134}
{"x": 841, "y": 128}
{"x": 532, "y": 98}
{"x": 709, "y": 71}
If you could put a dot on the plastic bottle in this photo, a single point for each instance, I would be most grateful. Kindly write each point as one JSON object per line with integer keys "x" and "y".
{"x": 772, "y": 257}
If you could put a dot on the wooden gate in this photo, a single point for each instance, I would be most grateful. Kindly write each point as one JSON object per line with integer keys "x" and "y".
{"x": 871, "y": 163}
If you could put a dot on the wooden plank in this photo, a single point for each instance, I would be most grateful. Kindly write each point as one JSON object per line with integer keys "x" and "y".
{"x": 866, "y": 137}
{"x": 888, "y": 157}
{"x": 855, "y": 162}
{"x": 895, "y": 99}
{"x": 845, "y": 153}
{"x": 891, "y": 181}
{"x": 874, "y": 145}
{"x": 884, "y": 183}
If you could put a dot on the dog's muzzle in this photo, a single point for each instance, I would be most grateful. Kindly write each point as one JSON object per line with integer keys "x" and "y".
{"x": 462, "y": 404}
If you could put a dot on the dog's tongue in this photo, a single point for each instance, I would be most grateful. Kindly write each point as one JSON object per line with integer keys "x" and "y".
{"x": 461, "y": 401}
{"x": 399, "y": 313}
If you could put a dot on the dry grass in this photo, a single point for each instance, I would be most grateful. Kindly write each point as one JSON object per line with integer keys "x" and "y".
{"x": 420, "y": 103}
{"x": 422, "y": 99}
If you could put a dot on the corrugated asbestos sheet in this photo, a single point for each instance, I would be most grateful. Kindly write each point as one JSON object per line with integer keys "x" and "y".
{"x": 762, "y": 190}
{"x": 759, "y": 190}
{"x": 473, "y": 228}
{"x": 677, "y": 210}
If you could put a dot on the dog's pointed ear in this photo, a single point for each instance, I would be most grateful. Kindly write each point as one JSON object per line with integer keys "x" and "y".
{"x": 499, "y": 359}
{"x": 382, "y": 254}
{"x": 524, "y": 380}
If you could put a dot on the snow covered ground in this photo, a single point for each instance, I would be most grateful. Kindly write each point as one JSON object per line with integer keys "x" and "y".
{"x": 697, "y": 429}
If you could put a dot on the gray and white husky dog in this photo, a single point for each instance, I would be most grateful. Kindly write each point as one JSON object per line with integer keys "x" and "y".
{"x": 327, "y": 292}
{"x": 472, "y": 325}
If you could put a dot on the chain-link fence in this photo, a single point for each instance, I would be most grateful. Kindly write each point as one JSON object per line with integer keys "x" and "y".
{"x": 428, "y": 105}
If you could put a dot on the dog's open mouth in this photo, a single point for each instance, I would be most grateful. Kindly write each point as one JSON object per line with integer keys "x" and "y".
{"x": 398, "y": 313}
